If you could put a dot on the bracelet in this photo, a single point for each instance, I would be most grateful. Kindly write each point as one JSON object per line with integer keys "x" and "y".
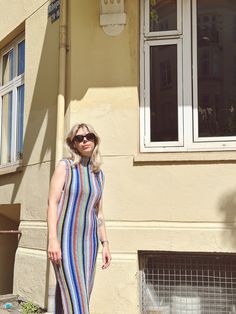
{"x": 105, "y": 241}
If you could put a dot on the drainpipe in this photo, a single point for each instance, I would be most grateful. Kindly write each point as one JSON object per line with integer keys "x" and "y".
{"x": 60, "y": 123}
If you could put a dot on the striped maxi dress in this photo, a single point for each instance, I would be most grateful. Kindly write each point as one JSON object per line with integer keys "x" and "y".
{"x": 77, "y": 233}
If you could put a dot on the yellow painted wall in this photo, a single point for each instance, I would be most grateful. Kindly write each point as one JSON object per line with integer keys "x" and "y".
{"x": 174, "y": 206}
{"x": 30, "y": 186}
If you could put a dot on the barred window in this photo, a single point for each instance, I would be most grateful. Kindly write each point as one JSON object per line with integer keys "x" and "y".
{"x": 187, "y": 283}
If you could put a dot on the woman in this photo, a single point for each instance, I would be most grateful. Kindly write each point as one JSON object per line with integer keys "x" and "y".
{"x": 75, "y": 220}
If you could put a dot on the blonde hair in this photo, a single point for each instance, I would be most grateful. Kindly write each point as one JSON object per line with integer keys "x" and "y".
{"x": 74, "y": 153}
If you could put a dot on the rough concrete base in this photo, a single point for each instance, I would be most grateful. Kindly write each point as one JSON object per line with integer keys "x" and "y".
{"x": 9, "y": 298}
{"x": 16, "y": 304}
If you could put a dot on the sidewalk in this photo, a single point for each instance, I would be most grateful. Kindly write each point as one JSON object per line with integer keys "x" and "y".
{"x": 16, "y": 303}
{"x": 13, "y": 299}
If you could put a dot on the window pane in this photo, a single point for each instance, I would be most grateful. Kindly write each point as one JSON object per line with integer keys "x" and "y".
{"x": 163, "y": 93}
{"x": 6, "y": 128}
{"x": 21, "y": 57}
{"x": 163, "y": 15}
{"x": 20, "y": 120}
{"x": 216, "y": 55}
{"x": 7, "y": 67}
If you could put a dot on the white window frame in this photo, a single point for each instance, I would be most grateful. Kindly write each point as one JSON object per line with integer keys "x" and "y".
{"x": 11, "y": 86}
{"x": 178, "y": 44}
{"x": 149, "y": 33}
{"x": 187, "y": 83}
{"x": 200, "y": 142}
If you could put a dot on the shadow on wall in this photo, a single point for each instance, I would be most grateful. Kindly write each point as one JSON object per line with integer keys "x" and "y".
{"x": 9, "y": 220}
{"x": 40, "y": 118}
{"x": 41, "y": 86}
{"x": 227, "y": 207}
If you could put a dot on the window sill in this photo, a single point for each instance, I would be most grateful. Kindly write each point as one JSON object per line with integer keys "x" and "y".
{"x": 186, "y": 157}
{"x": 11, "y": 167}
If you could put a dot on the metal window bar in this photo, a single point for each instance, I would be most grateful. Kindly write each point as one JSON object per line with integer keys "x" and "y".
{"x": 10, "y": 232}
{"x": 187, "y": 283}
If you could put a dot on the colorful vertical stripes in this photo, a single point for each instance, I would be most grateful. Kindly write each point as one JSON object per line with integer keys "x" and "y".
{"x": 77, "y": 233}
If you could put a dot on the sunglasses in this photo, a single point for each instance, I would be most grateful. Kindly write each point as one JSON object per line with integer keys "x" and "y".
{"x": 88, "y": 136}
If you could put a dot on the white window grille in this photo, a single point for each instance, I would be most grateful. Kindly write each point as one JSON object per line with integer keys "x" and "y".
{"x": 188, "y": 97}
{"x": 12, "y": 72}
{"x": 187, "y": 283}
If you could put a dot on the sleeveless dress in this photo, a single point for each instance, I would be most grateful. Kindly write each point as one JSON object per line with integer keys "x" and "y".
{"x": 77, "y": 233}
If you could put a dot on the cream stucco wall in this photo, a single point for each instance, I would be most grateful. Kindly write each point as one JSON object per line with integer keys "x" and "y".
{"x": 149, "y": 204}
{"x": 29, "y": 187}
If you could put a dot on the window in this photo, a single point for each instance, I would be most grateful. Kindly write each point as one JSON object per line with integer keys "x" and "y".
{"x": 12, "y": 68}
{"x": 187, "y": 283}
{"x": 188, "y": 75}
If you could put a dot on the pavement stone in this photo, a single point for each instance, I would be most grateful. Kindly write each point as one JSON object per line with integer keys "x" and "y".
{"x": 9, "y": 298}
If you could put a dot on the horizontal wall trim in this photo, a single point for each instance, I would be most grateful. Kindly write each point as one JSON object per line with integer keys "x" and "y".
{"x": 202, "y": 156}
{"x": 31, "y": 252}
{"x": 33, "y": 224}
{"x": 148, "y": 224}
{"x": 11, "y": 167}
{"x": 121, "y": 256}
{"x": 119, "y": 224}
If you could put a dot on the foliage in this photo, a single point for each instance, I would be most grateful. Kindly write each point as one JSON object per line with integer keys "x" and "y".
{"x": 153, "y": 12}
{"x": 28, "y": 308}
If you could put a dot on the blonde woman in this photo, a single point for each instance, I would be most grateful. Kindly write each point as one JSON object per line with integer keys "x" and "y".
{"x": 75, "y": 221}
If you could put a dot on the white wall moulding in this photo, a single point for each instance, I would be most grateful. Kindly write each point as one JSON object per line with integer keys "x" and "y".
{"x": 112, "y": 16}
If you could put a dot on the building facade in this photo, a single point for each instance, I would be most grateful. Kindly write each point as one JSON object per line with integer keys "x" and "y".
{"x": 157, "y": 81}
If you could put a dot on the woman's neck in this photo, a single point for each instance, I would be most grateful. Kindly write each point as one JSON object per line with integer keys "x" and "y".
{"x": 85, "y": 160}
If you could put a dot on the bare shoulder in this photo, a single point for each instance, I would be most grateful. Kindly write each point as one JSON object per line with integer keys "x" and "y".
{"x": 62, "y": 163}
{"x": 60, "y": 169}
{"x": 58, "y": 180}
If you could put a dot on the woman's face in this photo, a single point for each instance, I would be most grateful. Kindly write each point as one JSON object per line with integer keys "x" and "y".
{"x": 86, "y": 146}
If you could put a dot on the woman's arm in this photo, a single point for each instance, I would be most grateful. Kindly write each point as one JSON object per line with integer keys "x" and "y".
{"x": 106, "y": 256}
{"x": 56, "y": 186}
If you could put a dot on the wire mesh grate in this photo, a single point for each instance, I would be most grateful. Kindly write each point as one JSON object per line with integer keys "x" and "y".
{"x": 188, "y": 283}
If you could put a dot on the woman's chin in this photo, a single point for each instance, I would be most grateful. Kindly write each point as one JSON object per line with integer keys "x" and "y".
{"x": 86, "y": 153}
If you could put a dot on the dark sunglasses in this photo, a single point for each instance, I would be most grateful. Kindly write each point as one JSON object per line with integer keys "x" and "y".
{"x": 88, "y": 136}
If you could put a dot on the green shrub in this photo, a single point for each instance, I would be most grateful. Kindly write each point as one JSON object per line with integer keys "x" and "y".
{"x": 28, "y": 308}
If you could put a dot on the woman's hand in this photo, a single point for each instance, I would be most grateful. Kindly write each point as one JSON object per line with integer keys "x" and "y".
{"x": 54, "y": 251}
{"x": 106, "y": 255}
